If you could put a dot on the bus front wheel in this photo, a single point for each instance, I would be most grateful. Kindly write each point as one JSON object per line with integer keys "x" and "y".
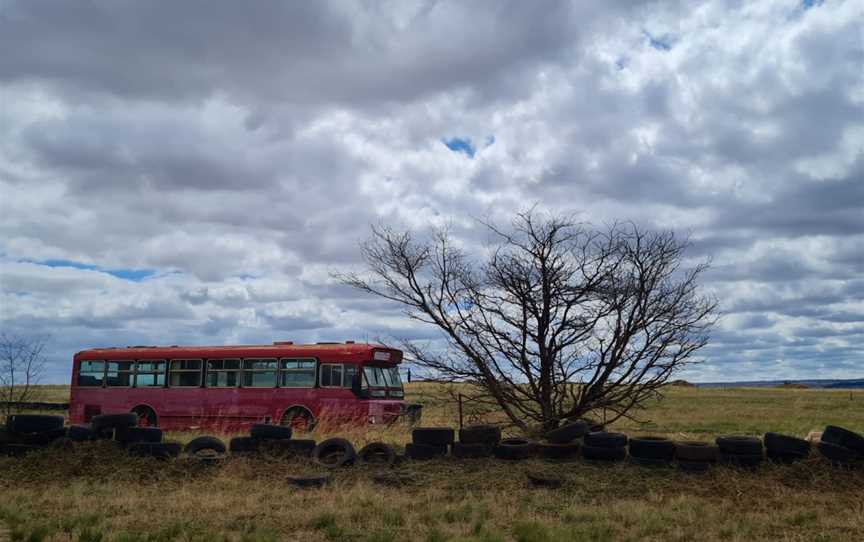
{"x": 146, "y": 416}
{"x": 299, "y": 419}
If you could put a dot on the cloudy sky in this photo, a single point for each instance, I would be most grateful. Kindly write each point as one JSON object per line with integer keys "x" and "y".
{"x": 191, "y": 172}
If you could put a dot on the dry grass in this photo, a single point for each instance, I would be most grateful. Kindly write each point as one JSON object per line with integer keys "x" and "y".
{"x": 97, "y": 493}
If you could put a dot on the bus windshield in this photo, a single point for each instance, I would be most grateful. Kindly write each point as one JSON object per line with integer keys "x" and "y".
{"x": 383, "y": 377}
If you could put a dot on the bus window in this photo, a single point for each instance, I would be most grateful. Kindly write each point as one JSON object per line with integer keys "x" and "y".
{"x": 259, "y": 373}
{"x": 120, "y": 373}
{"x": 375, "y": 379}
{"x": 91, "y": 373}
{"x": 150, "y": 373}
{"x": 185, "y": 373}
{"x": 223, "y": 373}
{"x": 297, "y": 373}
{"x": 394, "y": 383}
{"x": 331, "y": 375}
{"x": 348, "y": 375}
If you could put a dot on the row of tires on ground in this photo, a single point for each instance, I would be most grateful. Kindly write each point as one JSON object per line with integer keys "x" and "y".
{"x": 576, "y": 439}
{"x": 842, "y": 447}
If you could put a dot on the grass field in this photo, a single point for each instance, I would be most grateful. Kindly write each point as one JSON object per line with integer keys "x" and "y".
{"x": 95, "y": 493}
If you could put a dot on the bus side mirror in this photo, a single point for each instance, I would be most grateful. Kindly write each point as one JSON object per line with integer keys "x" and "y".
{"x": 356, "y": 386}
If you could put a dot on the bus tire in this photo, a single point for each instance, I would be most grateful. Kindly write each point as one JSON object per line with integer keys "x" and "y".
{"x": 424, "y": 451}
{"x": 81, "y": 433}
{"x": 146, "y": 416}
{"x": 105, "y": 424}
{"x": 433, "y": 436}
{"x": 265, "y": 431}
{"x": 480, "y": 434}
{"x": 212, "y": 445}
{"x": 299, "y": 419}
{"x": 23, "y": 424}
{"x": 334, "y": 453}
{"x": 377, "y": 453}
{"x": 131, "y": 435}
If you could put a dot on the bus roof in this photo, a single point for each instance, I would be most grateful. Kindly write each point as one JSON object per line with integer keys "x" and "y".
{"x": 348, "y": 350}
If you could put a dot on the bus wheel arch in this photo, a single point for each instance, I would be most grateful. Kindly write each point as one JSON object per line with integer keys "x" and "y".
{"x": 299, "y": 418}
{"x": 146, "y": 415}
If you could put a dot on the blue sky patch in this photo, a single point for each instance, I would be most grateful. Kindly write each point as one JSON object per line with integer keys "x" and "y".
{"x": 811, "y": 3}
{"x": 458, "y": 144}
{"x": 661, "y": 43}
{"x": 134, "y": 275}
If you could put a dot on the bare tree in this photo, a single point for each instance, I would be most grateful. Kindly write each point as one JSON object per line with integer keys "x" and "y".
{"x": 557, "y": 320}
{"x": 21, "y": 367}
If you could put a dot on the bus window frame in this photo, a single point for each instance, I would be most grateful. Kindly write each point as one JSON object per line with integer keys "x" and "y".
{"x": 163, "y": 372}
{"x": 102, "y": 383}
{"x": 244, "y": 370}
{"x": 170, "y": 370}
{"x": 281, "y": 370}
{"x": 341, "y": 375}
{"x": 131, "y": 372}
{"x": 238, "y": 370}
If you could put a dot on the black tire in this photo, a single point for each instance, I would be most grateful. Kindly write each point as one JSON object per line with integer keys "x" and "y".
{"x": 105, "y": 424}
{"x": 6, "y": 436}
{"x": 472, "y": 450}
{"x": 424, "y": 451}
{"x": 16, "y": 450}
{"x": 739, "y": 445}
{"x": 264, "y": 431}
{"x": 81, "y": 433}
{"x": 652, "y": 448}
{"x": 838, "y": 455}
{"x": 693, "y": 466}
{"x": 159, "y": 450}
{"x": 593, "y": 425}
{"x": 309, "y": 481}
{"x": 480, "y": 434}
{"x": 743, "y": 460}
{"x": 205, "y": 445}
{"x": 568, "y": 432}
{"x": 334, "y": 453}
{"x": 24, "y": 424}
{"x": 776, "y": 443}
{"x": 843, "y": 437}
{"x": 694, "y": 451}
{"x": 130, "y": 435}
{"x": 41, "y": 439}
{"x": 602, "y": 439}
{"x": 243, "y": 445}
{"x": 538, "y": 479}
{"x": 515, "y": 449}
{"x": 433, "y": 436}
{"x": 603, "y": 453}
{"x": 377, "y": 453}
{"x": 551, "y": 451}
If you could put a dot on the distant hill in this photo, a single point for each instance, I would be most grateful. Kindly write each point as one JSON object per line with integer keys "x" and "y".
{"x": 850, "y": 384}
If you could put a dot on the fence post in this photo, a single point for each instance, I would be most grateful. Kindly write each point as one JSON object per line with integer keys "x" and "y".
{"x": 460, "y": 411}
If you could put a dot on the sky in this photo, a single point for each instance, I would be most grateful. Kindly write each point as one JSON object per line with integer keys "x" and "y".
{"x": 194, "y": 172}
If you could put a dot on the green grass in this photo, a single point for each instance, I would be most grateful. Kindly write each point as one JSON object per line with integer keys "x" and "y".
{"x": 95, "y": 492}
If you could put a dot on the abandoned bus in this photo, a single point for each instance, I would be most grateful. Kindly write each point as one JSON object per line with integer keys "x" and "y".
{"x": 231, "y": 387}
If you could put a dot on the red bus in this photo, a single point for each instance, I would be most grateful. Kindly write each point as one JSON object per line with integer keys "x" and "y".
{"x": 231, "y": 387}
